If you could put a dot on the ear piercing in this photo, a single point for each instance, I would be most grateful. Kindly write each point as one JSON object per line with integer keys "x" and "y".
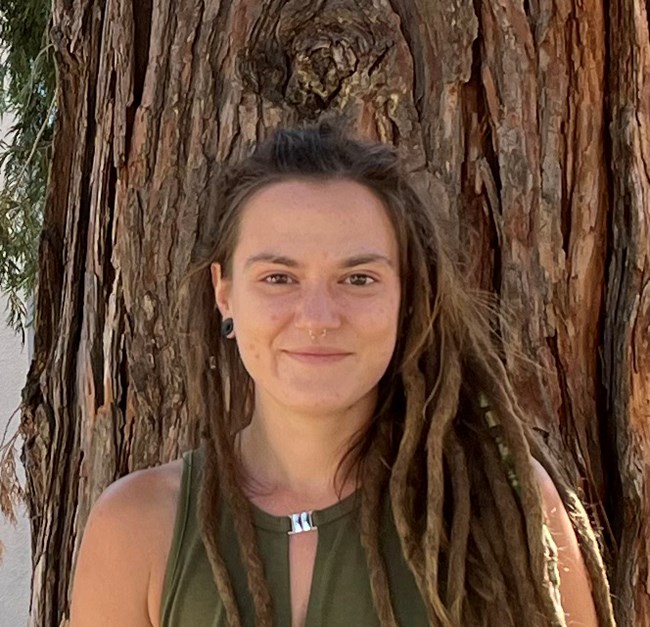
{"x": 227, "y": 327}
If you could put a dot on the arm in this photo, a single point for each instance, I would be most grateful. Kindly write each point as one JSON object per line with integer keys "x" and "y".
{"x": 575, "y": 587}
{"x": 118, "y": 551}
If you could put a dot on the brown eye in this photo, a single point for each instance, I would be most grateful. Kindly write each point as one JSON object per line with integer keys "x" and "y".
{"x": 360, "y": 280}
{"x": 278, "y": 279}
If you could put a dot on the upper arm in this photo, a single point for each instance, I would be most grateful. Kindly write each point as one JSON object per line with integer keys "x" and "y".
{"x": 113, "y": 566}
{"x": 575, "y": 586}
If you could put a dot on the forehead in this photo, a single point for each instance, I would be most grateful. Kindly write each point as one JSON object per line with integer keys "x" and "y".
{"x": 326, "y": 218}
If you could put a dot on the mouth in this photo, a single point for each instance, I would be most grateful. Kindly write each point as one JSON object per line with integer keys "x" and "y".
{"x": 317, "y": 355}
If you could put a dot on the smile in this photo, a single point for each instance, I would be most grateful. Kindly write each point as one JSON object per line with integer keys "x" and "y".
{"x": 315, "y": 356}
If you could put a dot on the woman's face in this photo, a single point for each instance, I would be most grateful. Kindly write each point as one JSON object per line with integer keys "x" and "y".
{"x": 314, "y": 293}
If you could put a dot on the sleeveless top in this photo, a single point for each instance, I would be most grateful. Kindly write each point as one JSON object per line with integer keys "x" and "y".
{"x": 340, "y": 591}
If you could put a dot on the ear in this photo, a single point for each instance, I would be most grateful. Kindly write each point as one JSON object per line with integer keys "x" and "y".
{"x": 221, "y": 287}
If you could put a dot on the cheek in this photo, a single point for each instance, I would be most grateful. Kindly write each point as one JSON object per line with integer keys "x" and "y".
{"x": 252, "y": 351}
{"x": 256, "y": 316}
{"x": 383, "y": 316}
{"x": 255, "y": 331}
{"x": 276, "y": 316}
{"x": 258, "y": 312}
{"x": 390, "y": 317}
{"x": 380, "y": 331}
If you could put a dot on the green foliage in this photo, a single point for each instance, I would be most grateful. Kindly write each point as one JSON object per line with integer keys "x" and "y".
{"x": 27, "y": 99}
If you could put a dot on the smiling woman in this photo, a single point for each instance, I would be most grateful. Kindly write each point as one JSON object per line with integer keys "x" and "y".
{"x": 365, "y": 461}
{"x": 313, "y": 259}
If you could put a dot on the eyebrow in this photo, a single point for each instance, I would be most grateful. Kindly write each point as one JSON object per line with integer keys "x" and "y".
{"x": 350, "y": 262}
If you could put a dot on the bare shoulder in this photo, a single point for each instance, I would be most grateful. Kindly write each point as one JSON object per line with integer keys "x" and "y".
{"x": 556, "y": 514}
{"x": 546, "y": 485}
{"x": 142, "y": 493}
{"x": 575, "y": 585}
{"x": 140, "y": 505}
{"x": 124, "y": 549}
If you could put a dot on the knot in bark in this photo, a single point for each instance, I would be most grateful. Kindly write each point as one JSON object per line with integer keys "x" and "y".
{"x": 317, "y": 61}
{"x": 321, "y": 67}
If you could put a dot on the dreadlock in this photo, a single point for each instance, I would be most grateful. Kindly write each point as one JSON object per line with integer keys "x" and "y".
{"x": 447, "y": 442}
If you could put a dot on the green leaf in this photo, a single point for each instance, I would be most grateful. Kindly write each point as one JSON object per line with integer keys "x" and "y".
{"x": 27, "y": 101}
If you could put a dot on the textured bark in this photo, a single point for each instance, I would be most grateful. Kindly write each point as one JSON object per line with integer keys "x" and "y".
{"x": 626, "y": 344}
{"x": 525, "y": 123}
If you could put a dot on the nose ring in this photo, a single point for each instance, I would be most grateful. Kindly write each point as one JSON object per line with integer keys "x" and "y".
{"x": 313, "y": 336}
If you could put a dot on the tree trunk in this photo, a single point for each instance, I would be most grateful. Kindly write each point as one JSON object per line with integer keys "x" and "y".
{"x": 525, "y": 123}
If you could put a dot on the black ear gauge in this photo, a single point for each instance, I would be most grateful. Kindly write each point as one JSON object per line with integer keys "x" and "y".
{"x": 227, "y": 327}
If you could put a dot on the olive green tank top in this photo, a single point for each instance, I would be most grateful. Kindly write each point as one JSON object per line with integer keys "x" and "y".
{"x": 340, "y": 591}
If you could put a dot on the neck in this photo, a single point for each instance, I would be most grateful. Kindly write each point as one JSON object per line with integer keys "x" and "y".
{"x": 291, "y": 458}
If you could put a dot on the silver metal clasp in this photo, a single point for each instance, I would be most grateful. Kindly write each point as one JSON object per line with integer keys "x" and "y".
{"x": 300, "y": 522}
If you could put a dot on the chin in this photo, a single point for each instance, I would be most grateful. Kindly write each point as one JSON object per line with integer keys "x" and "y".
{"x": 324, "y": 403}
{"x": 318, "y": 406}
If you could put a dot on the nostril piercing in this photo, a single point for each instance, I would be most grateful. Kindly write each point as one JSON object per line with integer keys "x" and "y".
{"x": 313, "y": 336}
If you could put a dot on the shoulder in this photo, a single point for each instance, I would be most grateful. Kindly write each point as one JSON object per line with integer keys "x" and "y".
{"x": 124, "y": 547}
{"x": 139, "y": 506}
{"x": 139, "y": 512}
{"x": 557, "y": 517}
{"x": 140, "y": 494}
{"x": 550, "y": 495}
{"x": 575, "y": 585}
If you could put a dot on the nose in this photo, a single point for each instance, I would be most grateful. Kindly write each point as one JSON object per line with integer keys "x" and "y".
{"x": 317, "y": 309}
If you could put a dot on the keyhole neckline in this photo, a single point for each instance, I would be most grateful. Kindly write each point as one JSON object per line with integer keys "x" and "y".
{"x": 320, "y": 517}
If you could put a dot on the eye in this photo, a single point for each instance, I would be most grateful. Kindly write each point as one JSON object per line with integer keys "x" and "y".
{"x": 277, "y": 279}
{"x": 360, "y": 280}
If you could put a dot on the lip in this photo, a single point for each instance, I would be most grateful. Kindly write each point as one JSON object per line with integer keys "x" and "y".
{"x": 316, "y": 354}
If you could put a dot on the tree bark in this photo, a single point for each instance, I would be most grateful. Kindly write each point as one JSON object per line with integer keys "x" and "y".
{"x": 524, "y": 123}
{"x": 626, "y": 337}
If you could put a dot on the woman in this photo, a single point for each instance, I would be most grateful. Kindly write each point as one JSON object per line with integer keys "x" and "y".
{"x": 364, "y": 459}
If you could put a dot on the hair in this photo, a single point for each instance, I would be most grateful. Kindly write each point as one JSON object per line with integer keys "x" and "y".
{"x": 446, "y": 444}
